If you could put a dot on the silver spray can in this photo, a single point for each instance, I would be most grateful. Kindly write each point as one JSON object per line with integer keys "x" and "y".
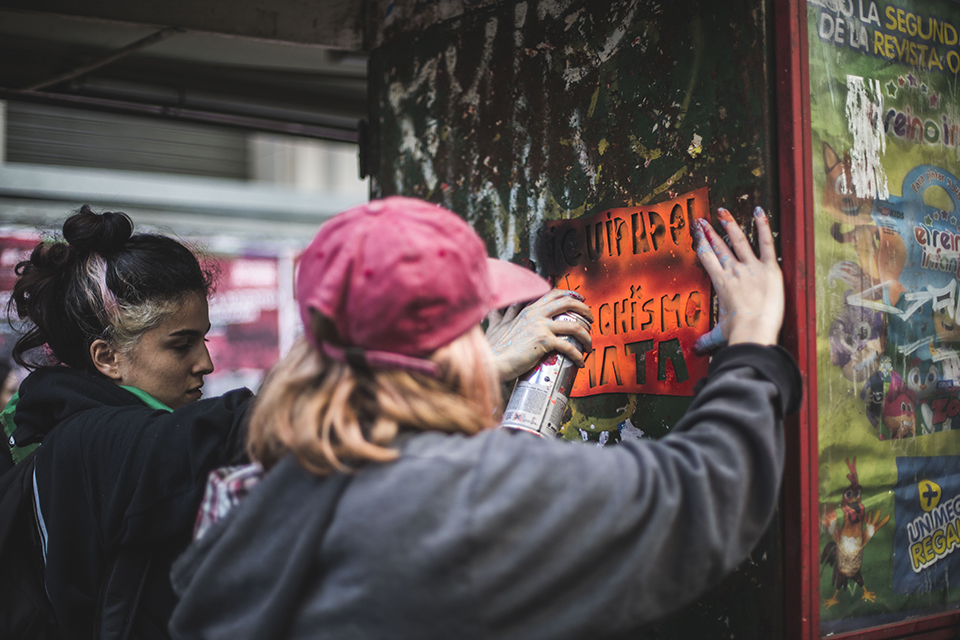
{"x": 540, "y": 395}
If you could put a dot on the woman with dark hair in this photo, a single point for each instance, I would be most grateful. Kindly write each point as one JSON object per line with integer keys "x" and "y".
{"x": 391, "y": 508}
{"x": 119, "y": 319}
{"x": 127, "y": 442}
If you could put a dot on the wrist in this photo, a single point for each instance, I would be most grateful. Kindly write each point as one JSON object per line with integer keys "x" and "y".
{"x": 755, "y": 333}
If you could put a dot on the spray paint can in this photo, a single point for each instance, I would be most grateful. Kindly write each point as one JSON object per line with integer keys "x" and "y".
{"x": 540, "y": 395}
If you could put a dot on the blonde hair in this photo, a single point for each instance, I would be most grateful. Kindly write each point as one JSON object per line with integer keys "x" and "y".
{"x": 333, "y": 418}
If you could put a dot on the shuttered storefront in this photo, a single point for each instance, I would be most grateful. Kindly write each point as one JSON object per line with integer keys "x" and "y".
{"x": 50, "y": 135}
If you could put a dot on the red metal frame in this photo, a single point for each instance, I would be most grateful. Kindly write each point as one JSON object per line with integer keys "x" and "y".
{"x": 938, "y": 627}
{"x": 801, "y": 480}
{"x": 801, "y": 541}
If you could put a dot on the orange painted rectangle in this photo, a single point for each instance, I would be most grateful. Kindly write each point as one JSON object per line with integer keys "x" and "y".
{"x": 650, "y": 298}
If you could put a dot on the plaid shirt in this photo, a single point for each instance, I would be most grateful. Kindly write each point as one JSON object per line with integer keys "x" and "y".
{"x": 226, "y": 487}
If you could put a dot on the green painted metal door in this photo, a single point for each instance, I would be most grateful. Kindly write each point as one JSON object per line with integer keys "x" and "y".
{"x": 531, "y": 117}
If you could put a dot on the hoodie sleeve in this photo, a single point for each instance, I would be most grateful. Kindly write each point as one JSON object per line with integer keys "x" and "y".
{"x": 636, "y": 530}
{"x": 146, "y": 469}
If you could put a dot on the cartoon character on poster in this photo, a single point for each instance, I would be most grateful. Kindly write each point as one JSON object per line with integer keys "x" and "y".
{"x": 907, "y": 272}
{"x": 857, "y": 342}
{"x": 923, "y": 378}
{"x": 922, "y": 325}
{"x": 885, "y": 121}
{"x": 844, "y": 552}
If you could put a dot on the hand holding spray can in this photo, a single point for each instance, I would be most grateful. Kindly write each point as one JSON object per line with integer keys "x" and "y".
{"x": 541, "y": 395}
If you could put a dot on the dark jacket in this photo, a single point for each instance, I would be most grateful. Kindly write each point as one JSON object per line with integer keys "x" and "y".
{"x": 119, "y": 485}
{"x": 504, "y": 534}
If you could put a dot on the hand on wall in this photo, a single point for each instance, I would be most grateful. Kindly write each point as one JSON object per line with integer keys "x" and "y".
{"x": 749, "y": 290}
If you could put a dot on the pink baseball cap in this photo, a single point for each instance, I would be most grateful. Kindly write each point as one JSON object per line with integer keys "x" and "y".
{"x": 400, "y": 278}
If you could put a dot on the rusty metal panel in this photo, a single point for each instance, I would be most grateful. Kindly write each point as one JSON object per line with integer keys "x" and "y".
{"x": 529, "y": 116}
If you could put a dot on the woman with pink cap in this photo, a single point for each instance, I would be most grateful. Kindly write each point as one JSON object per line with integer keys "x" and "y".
{"x": 391, "y": 507}
{"x": 114, "y": 325}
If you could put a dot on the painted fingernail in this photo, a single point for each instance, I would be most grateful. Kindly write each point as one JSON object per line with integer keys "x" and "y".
{"x": 724, "y": 216}
{"x": 758, "y": 213}
{"x": 574, "y": 294}
{"x": 709, "y": 236}
{"x": 713, "y": 237}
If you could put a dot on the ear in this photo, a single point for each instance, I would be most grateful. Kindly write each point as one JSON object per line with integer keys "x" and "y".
{"x": 830, "y": 158}
{"x": 105, "y": 359}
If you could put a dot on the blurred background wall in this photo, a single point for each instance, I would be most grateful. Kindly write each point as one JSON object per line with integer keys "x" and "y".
{"x": 233, "y": 126}
{"x": 246, "y": 200}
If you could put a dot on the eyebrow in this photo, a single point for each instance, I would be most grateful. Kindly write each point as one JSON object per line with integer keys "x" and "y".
{"x": 188, "y": 332}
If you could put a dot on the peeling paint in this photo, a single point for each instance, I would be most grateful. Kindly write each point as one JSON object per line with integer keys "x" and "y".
{"x": 612, "y": 45}
{"x": 863, "y": 111}
{"x": 472, "y": 96}
{"x": 413, "y": 145}
{"x": 539, "y": 110}
{"x": 593, "y": 102}
{"x": 663, "y": 187}
{"x": 426, "y": 74}
{"x": 536, "y": 110}
{"x": 450, "y": 58}
{"x": 547, "y": 130}
{"x": 578, "y": 144}
{"x": 695, "y": 148}
{"x": 552, "y": 8}
{"x": 574, "y": 74}
{"x": 574, "y": 17}
{"x": 637, "y": 147}
{"x": 519, "y": 19}
{"x": 630, "y": 432}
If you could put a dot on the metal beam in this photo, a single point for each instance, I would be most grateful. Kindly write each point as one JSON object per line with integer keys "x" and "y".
{"x": 140, "y": 44}
{"x": 249, "y": 122}
{"x": 336, "y": 24}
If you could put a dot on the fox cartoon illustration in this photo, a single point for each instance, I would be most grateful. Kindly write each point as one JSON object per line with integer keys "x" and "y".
{"x": 881, "y": 252}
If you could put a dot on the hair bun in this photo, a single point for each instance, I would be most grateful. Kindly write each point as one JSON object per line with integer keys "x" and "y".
{"x": 105, "y": 233}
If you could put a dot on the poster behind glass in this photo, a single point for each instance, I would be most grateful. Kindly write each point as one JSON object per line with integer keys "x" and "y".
{"x": 885, "y": 131}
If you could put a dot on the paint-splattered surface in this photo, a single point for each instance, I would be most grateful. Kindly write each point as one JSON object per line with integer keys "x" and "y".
{"x": 521, "y": 113}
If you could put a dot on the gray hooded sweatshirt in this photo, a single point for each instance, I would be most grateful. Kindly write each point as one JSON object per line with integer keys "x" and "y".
{"x": 504, "y": 534}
